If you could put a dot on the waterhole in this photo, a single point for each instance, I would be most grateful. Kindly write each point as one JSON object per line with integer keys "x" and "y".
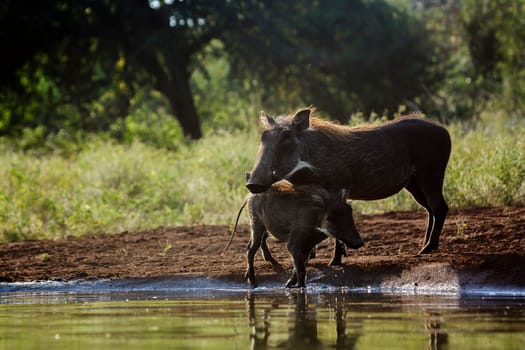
{"x": 272, "y": 318}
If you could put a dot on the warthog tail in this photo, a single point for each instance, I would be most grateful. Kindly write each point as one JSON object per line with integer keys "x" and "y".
{"x": 234, "y": 228}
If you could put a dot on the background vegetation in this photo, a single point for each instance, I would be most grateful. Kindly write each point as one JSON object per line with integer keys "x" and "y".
{"x": 116, "y": 115}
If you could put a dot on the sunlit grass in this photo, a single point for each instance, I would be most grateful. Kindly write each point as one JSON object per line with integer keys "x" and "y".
{"x": 107, "y": 187}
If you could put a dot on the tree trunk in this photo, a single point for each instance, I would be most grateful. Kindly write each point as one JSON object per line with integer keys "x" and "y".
{"x": 174, "y": 83}
{"x": 181, "y": 100}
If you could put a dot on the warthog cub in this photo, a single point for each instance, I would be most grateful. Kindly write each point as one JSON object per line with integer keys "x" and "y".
{"x": 304, "y": 175}
{"x": 301, "y": 216}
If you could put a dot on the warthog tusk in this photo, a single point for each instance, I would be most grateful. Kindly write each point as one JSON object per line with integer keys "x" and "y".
{"x": 300, "y": 165}
{"x": 325, "y": 231}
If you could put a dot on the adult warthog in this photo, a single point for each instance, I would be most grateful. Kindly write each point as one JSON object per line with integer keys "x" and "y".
{"x": 302, "y": 216}
{"x": 370, "y": 162}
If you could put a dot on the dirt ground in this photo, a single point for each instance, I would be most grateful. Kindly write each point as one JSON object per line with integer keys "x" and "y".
{"x": 479, "y": 247}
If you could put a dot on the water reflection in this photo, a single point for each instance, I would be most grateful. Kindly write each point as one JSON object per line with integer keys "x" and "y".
{"x": 344, "y": 341}
{"x": 255, "y": 320}
{"x": 345, "y": 314}
{"x": 302, "y": 324}
{"x": 438, "y": 339}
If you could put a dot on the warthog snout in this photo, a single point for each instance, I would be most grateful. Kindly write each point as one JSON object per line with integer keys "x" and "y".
{"x": 255, "y": 184}
{"x": 255, "y": 187}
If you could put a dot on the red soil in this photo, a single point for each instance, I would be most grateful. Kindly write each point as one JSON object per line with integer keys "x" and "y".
{"x": 481, "y": 247}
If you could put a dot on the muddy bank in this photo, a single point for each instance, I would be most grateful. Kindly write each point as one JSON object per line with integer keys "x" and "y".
{"x": 480, "y": 248}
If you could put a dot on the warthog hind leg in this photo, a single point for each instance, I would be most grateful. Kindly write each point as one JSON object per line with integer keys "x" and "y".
{"x": 440, "y": 210}
{"x": 266, "y": 253}
{"x": 432, "y": 200}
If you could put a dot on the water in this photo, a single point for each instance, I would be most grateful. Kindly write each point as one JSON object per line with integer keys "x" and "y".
{"x": 271, "y": 318}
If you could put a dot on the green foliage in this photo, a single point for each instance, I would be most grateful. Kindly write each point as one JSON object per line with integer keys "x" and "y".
{"x": 93, "y": 58}
{"x": 89, "y": 67}
{"x": 167, "y": 247}
{"x": 345, "y": 57}
{"x": 487, "y": 165}
{"x": 223, "y": 104}
{"x": 479, "y": 53}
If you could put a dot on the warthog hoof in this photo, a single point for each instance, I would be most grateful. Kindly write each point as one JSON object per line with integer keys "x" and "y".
{"x": 336, "y": 262}
{"x": 355, "y": 245}
{"x": 292, "y": 281}
{"x": 250, "y": 279}
{"x": 429, "y": 248}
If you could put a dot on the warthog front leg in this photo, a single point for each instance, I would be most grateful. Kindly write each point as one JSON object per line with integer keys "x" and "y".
{"x": 258, "y": 232}
{"x": 250, "y": 272}
{"x": 339, "y": 252}
{"x": 299, "y": 257}
{"x": 292, "y": 281}
{"x": 313, "y": 253}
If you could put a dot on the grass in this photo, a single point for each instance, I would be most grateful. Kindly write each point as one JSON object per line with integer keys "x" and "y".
{"x": 107, "y": 187}
{"x": 167, "y": 247}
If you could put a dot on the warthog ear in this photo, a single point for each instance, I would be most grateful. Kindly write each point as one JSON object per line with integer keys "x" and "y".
{"x": 267, "y": 121}
{"x": 301, "y": 120}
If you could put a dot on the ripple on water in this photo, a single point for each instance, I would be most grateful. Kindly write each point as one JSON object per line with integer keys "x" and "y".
{"x": 203, "y": 286}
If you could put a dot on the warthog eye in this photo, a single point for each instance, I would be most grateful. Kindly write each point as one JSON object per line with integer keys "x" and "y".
{"x": 285, "y": 135}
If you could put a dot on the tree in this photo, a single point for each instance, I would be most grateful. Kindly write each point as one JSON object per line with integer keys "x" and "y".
{"x": 83, "y": 49}
{"x": 82, "y": 61}
{"x": 343, "y": 56}
{"x": 480, "y": 54}
{"x": 494, "y": 32}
